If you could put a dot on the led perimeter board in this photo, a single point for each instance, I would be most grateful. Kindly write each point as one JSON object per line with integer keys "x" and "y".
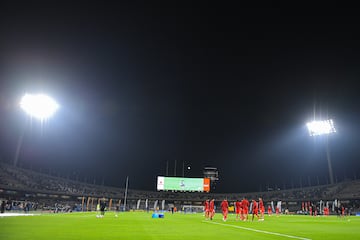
{"x": 183, "y": 184}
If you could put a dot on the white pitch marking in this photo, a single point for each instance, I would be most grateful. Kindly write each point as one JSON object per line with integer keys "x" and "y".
{"x": 16, "y": 214}
{"x": 260, "y": 231}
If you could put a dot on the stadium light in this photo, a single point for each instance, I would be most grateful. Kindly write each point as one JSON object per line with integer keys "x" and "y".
{"x": 325, "y": 127}
{"x": 39, "y": 106}
{"x": 184, "y": 169}
{"x": 321, "y": 127}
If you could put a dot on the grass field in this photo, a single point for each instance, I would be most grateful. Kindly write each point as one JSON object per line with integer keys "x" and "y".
{"x": 139, "y": 225}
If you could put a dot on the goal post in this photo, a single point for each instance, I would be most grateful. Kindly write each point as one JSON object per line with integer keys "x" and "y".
{"x": 192, "y": 209}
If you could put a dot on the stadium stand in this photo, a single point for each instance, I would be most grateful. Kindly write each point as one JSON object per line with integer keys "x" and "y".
{"x": 50, "y": 193}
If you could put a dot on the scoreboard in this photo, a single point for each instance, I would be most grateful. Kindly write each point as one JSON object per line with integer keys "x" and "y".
{"x": 183, "y": 184}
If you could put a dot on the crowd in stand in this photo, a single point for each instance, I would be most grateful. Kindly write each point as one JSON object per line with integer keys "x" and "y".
{"x": 18, "y": 179}
{"x": 22, "y": 179}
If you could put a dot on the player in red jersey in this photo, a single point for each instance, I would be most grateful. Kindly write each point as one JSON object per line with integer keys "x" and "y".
{"x": 326, "y": 211}
{"x": 238, "y": 209}
{"x": 255, "y": 210}
{"x": 269, "y": 210}
{"x": 245, "y": 204}
{"x": 262, "y": 209}
{"x": 212, "y": 209}
{"x": 225, "y": 209}
{"x": 207, "y": 208}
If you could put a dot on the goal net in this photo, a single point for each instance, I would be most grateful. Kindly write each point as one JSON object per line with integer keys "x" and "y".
{"x": 192, "y": 209}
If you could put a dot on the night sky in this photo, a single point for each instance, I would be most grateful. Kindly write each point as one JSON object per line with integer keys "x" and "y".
{"x": 141, "y": 85}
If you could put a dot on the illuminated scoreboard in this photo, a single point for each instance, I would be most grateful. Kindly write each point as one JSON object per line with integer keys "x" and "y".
{"x": 183, "y": 184}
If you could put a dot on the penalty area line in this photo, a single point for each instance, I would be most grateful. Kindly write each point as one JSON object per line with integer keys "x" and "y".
{"x": 259, "y": 231}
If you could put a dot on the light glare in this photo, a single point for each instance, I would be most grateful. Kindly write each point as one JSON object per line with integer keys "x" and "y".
{"x": 39, "y": 106}
{"x": 321, "y": 127}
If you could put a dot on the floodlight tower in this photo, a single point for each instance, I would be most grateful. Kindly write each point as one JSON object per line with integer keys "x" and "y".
{"x": 326, "y": 127}
{"x": 39, "y": 106}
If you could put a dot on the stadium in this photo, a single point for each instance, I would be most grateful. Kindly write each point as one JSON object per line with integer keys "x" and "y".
{"x": 131, "y": 120}
{"x": 49, "y": 199}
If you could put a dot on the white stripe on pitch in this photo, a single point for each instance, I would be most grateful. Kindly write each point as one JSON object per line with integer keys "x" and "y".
{"x": 260, "y": 231}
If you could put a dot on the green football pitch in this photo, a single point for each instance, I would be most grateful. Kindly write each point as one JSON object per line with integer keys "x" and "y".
{"x": 140, "y": 225}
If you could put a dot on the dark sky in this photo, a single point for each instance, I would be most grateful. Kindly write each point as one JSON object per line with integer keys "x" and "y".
{"x": 210, "y": 85}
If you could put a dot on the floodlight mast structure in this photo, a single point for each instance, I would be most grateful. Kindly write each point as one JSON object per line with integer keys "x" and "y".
{"x": 326, "y": 127}
{"x": 39, "y": 106}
